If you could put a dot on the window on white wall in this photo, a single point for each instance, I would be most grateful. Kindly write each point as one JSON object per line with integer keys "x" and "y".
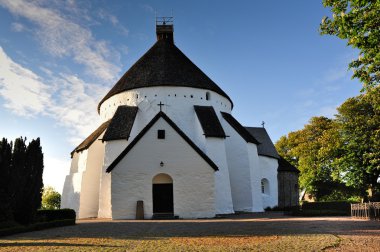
{"x": 264, "y": 186}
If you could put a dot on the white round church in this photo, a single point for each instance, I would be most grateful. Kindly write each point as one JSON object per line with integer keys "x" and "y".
{"x": 168, "y": 141}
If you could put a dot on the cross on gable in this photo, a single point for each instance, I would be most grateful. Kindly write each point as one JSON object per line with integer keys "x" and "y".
{"x": 263, "y": 123}
{"x": 160, "y": 104}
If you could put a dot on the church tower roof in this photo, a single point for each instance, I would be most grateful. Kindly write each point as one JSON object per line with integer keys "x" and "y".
{"x": 164, "y": 65}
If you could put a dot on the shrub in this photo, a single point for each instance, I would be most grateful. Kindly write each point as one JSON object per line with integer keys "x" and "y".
{"x": 52, "y": 215}
{"x": 325, "y": 208}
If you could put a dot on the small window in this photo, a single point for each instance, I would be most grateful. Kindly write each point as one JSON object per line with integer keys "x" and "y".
{"x": 207, "y": 96}
{"x": 161, "y": 134}
{"x": 265, "y": 186}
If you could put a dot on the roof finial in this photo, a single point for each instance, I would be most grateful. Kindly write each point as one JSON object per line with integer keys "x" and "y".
{"x": 164, "y": 28}
{"x": 262, "y": 124}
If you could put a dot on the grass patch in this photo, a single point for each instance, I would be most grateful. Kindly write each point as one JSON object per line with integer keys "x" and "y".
{"x": 215, "y": 243}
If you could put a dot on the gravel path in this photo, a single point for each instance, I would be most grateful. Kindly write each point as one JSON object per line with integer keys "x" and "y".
{"x": 350, "y": 234}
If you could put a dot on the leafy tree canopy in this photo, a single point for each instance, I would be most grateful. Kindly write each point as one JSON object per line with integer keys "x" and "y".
{"x": 358, "y": 21}
{"x": 51, "y": 199}
{"x": 359, "y": 118}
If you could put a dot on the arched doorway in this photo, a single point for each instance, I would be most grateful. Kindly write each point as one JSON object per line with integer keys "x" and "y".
{"x": 162, "y": 194}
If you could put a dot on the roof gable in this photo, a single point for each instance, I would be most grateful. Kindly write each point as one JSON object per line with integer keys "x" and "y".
{"x": 146, "y": 129}
{"x": 239, "y": 128}
{"x": 164, "y": 65}
{"x": 266, "y": 148}
{"x": 209, "y": 121}
{"x": 91, "y": 138}
{"x": 121, "y": 123}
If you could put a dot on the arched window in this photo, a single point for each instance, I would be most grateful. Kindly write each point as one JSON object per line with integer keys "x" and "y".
{"x": 264, "y": 186}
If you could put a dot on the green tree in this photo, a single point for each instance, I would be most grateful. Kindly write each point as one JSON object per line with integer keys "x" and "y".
{"x": 358, "y": 22}
{"x": 313, "y": 150}
{"x": 51, "y": 199}
{"x": 305, "y": 150}
{"x": 359, "y": 118}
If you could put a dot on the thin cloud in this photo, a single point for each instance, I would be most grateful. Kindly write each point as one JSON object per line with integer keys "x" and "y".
{"x": 62, "y": 37}
{"x": 67, "y": 99}
{"x": 104, "y": 15}
{"x": 23, "y": 91}
{"x": 17, "y": 27}
{"x": 148, "y": 8}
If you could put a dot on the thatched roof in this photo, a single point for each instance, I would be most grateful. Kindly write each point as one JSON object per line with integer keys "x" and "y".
{"x": 239, "y": 128}
{"x": 266, "y": 148}
{"x": 91, "y": 138}
{"x": 209, "y": 121}
{"x": 163, "y": 65}
{"x": 121, "y": 123}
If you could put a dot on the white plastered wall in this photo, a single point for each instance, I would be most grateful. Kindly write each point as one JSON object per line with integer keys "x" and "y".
{"x": 178, "y": 105}
{"x": 193, "y": 178}
{"x": 73, "y": 182}
{"x": 254, "y": 165}
{"x": 112, "y": 151}
{"x": 239, "y": 169}
{"x": 268, "y": 170}
{"x": 216, "y": 151}
{"x": 89, "y": 199}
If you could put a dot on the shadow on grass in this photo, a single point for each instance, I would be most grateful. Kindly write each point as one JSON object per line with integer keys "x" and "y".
{"x": 201, "y": 228}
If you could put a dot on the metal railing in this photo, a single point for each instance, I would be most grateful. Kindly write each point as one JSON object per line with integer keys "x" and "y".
{"x": 369, "y": 210}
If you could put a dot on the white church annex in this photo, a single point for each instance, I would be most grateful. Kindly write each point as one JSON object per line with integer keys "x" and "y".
{"x": 168, "y": 139}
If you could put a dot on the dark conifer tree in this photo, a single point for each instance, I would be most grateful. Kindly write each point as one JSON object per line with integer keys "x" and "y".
{"x": 18, "y": 178}
{"x": 33, "y": 184}
{"x": 5, "y": 181}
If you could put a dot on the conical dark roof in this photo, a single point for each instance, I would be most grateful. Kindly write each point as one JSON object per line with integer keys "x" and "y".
{"x": 164, "y": 65}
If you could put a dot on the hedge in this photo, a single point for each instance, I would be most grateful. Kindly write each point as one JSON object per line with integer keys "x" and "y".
{"x": 44, "y": 219}
{"x": 59, "y": 214}
{"x": 332, "y": 208}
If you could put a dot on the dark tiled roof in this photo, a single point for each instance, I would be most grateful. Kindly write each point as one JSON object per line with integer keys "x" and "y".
{"x": 121, "y": 123}
{"x": 209, "y": 121}
{"x": 164, "y": 65}
{"x": 91, "y": 138}
{"x": 239, "y": 128}
{"x": 145, "y": 130}
{"x": 266, "y": 148}
{"x": 285, "y": 166}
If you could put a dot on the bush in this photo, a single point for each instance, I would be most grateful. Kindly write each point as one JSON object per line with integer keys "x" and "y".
{"x": 335, "y": 208}
{"x": 52, "y": 215}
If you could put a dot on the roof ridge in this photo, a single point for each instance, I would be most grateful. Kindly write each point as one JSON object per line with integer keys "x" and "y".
{"x": 240, "y": 129}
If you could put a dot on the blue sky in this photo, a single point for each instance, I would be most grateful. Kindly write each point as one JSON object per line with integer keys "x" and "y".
{"x": 59, "y": 58}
